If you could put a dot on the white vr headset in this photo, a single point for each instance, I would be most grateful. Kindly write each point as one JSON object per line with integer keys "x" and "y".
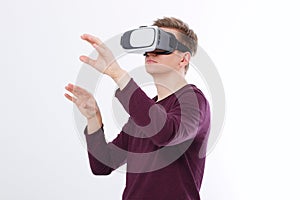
{"x": 151, "y": 39}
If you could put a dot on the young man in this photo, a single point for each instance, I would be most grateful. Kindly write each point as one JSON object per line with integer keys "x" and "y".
{"x": 164, "y": 139}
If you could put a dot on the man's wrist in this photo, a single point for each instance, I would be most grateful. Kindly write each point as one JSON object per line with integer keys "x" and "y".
{"x": 121, "y": 78}
{"x": 94, "y": 123}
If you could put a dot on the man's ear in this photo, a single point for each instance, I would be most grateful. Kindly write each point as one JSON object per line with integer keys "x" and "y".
{"x": 185, "y": 59}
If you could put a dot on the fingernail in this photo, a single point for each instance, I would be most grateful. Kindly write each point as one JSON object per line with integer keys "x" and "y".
{"x": 81, "y": 58}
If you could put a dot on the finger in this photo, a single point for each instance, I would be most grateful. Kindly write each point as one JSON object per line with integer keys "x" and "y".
{"x": 70, "y": 98}
{"x": 87, "y": 60}
{"x": 76, "y": 90}
{"x": 71, "y": 89}
{"x": 91, "y": 39}
{"x": 100, "y": 48}
{"x": 95, "y": 42}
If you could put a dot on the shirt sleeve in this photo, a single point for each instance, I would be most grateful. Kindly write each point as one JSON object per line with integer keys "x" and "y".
{"x": 105, "y": 157}
{"x": 180, "y": 123}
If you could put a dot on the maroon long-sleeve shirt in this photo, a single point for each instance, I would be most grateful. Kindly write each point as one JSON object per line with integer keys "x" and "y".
{"x": 163, "y": 144}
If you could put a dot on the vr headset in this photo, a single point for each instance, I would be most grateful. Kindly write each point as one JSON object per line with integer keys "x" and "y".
{"x": 151, "y": 39}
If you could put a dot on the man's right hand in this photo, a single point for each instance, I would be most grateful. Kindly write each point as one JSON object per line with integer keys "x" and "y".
{"x": 87, "y": 105}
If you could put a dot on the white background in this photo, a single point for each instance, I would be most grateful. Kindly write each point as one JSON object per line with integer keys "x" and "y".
{"x": 254, "y": 45}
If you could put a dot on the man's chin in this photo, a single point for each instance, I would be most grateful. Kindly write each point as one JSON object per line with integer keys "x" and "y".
{"x": 155, "y": 68}
{"x": 151, "y": 68}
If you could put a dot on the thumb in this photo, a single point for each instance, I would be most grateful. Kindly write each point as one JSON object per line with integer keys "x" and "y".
{"x": 84, "y": 105}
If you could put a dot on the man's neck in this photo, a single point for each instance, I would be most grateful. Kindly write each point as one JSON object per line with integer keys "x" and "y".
{"x": 167, "y": 84}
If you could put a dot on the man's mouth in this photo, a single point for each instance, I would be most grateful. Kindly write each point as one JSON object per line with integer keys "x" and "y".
{"x": 150, "y": 61}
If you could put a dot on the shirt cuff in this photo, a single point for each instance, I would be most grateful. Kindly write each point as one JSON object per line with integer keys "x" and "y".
{"x": 100, "y": 130}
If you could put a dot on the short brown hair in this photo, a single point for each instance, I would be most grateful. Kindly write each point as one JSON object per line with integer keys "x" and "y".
{"x": 188, "y": 37}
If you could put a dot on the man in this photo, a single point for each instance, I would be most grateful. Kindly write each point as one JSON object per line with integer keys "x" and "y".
{"x": 164, "y": 139}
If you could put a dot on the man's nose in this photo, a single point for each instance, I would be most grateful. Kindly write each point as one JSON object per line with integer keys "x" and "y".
{"x": 150, "y": 54}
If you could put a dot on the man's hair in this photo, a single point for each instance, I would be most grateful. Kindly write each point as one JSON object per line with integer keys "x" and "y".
{"x": 188, "y": 37}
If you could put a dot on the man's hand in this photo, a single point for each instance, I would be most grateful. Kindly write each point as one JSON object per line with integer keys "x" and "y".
{"x": 105, "y": 62}
{"x": 87, "y": 105}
